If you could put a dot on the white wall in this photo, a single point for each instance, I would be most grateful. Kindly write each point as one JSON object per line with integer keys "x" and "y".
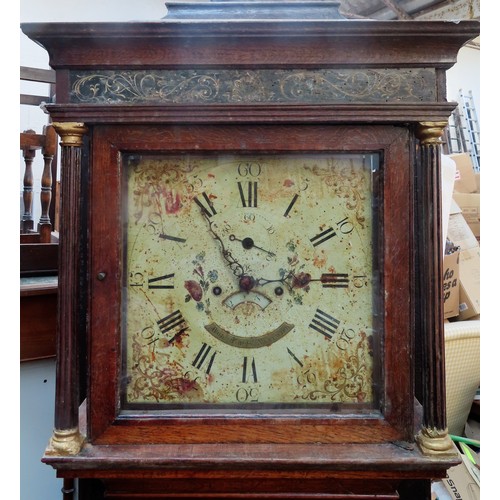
{"x": 37, "y": 480}
{"x": 91, "y": 10}
{"x": 32, "y": 55}
{"x": 465, "y": 76}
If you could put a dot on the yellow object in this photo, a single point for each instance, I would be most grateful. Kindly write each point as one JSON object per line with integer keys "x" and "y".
{"x": 462, "y": 358}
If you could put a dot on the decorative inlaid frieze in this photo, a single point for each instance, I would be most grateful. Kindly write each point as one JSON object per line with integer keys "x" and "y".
{"x": 239, "y": 86}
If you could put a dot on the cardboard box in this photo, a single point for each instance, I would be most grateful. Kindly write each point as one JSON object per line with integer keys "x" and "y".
{"x": 465, "y": 177}
{"x": 462, "y": 236}
{"x": 469, "y": 203}
{"x": 448, "y": 170}
{"x": 469, "y": 291}
{"x": 459, "y": 231}
{"x": 451, "y": 283}
{"x": 460, "y": 485}
{"x": 463, "y": 480}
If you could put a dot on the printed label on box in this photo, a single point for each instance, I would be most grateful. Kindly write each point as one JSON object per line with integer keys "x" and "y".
{"x": 451, "y": 284}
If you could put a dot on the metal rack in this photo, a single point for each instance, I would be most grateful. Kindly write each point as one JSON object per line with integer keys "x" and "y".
{"x": 462, "y": 133}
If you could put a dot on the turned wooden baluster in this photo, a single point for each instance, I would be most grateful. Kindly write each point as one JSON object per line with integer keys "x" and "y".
{"x": 48, "y": 152}
{"x": 27, "y": 218}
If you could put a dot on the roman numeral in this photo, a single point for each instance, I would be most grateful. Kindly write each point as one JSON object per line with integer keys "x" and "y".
{"x": 340, "y": 280}
{"x": 290, "y": 206}
{"x": 203, "y": 358}
{"x": 297, "y": 360}
{"x": 324, "y": 323}
{"x": 206, "y": 205}
{"x": 169, "y": 237}
{"x": 170, "y": 322}
{"x": 248, "y": 196}
{"x": 153, "y": 283}
{"x": 323, "y": 236}
{"x": 249, "y": 371}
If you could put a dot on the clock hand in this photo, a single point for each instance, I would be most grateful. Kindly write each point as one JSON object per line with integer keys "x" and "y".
{"x": 248, "y": 243}
{"x": 291, "y": 280}
{"x": 286, "y": 280}
{"x": 236, "y": 268}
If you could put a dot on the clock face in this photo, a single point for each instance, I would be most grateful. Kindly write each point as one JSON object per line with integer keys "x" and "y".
{"x": 250, "y": 280}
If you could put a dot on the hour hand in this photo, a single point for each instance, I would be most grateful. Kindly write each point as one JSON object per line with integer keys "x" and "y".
{"x": 285, "y": 280}
{"x": 291, "y": 280}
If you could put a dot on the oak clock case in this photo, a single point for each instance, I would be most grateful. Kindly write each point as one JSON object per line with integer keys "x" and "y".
{"x": 250, "y": 282}
{"x": 244, "y": 286}
{"x": 257, "y": 311}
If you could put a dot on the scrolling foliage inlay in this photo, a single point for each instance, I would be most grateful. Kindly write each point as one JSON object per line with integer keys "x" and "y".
{"x": 253, "y": 86}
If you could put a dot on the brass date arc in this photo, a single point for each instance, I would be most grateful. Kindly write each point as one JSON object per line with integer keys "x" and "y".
{"x": 253, "y": 342}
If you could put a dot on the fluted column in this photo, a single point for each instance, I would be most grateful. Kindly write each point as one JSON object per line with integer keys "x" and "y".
{"x": 433, "y": 438}
{"x": 66, "y": 438}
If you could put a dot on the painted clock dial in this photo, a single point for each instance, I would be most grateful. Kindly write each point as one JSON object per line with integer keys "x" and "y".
{"x": 250, "y": 280}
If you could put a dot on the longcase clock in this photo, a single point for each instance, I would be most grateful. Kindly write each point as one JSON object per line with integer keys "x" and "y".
{"x": 250, "y": 303}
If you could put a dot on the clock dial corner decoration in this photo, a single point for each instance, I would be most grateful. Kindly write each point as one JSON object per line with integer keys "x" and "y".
{"x": 250, "y": 281}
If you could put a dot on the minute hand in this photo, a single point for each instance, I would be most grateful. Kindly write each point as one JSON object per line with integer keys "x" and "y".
{"x": 234, "y": 265}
